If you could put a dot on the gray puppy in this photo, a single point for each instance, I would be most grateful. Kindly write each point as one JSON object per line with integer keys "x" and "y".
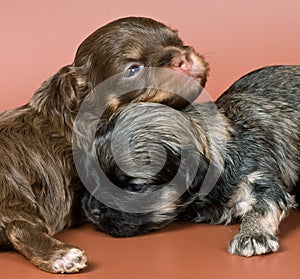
{"x": 235, "y": 160}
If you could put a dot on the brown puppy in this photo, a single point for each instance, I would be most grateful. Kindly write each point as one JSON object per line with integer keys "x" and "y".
{"x": 39, "y": 186}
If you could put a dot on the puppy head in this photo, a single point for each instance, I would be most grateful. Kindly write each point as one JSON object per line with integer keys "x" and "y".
{"x": 158, "y": 171}
{"x": 127, "y": 46}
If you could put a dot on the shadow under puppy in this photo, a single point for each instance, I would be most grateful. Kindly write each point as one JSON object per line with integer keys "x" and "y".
{"x": 235, "y": 160}
{"x": 40, "y": 191}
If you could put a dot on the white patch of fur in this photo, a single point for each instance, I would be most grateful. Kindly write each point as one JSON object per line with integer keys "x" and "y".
{"x": 73, "y": 261}
{"x": 254, "y": 176}
{"x": 252, "y": 247}
{"x": 270, "y": 222}
{"x": 80, "y": 81}
{"x": 242, "y": 200}
{"x": 261, "y": 249}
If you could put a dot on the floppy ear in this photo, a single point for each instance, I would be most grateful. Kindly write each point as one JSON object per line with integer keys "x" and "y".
{"x": 62, "y": 93}
{"x": 195, "y": 168}
{"x": 202, "y": 174}
{"x": 72, "y": 87}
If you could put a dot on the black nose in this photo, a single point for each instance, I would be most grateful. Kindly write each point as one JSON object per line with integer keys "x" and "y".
{"x": 96, "y": 213}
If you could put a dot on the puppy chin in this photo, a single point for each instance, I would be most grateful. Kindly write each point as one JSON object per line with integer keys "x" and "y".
{"x": 121, "y": 224}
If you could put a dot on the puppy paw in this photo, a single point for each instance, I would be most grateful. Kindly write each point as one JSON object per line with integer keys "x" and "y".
{"x": 253, "y": 244}
{"x": 71, "y": 261}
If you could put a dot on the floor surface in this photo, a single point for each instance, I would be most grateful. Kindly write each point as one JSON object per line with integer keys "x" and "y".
{"x": 182, "y": 250}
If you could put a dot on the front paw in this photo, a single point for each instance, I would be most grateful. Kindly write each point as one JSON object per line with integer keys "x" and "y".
{"x": 71, "y": 261}
{"x": 253, "y": 244}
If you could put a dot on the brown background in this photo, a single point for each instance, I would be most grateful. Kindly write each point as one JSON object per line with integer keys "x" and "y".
{"x": 39, "y": 37}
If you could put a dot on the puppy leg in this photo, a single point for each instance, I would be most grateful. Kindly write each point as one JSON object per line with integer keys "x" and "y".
{"x": 44, "y": 251}
{"x": 255, "y": 237}
{"x": 260, "y": 222}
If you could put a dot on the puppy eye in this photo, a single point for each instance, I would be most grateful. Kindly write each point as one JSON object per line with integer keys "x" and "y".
{"x": 132, "y": 70}
{"x": 136, "y": 187}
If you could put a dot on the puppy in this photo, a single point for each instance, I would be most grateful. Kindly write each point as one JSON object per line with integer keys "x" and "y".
{"x": 40, "y": 189}
{"x": 235, "y": 160}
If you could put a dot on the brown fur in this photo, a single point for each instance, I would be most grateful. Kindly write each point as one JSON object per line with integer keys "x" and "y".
{"x": 39, "y": 186}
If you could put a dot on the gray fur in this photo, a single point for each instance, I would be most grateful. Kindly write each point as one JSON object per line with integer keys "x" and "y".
{"x": 252, "y": 142}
